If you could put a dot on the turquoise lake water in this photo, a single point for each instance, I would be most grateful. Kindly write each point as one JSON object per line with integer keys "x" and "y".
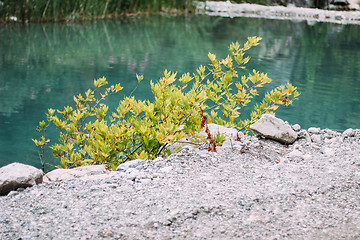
{"x": 44, "y": 65}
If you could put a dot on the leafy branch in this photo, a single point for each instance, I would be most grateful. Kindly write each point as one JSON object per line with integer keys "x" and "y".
{"x": 182, "y": 107}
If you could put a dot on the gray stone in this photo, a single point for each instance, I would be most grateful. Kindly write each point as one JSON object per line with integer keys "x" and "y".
{"x": 271, "y": 127}
{"x": 129, "y": 164}
{"x": 18, "y": 175}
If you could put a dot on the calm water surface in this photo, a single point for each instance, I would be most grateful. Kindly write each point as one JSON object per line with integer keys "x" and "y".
{"x": 44, "y": 65}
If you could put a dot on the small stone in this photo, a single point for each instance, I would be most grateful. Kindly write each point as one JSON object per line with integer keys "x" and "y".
{"x": 331, "y": 133}
{"x": 316, "y": 138}
{"x": 132, "y": 174}
{"x": 349, "y": 132}
{"x": 129, "y": 164}
{"x": 296, "y": 127}
{"x": 296, "y": 154}
{"x": 314, "y": 130}
{"x": 304, "y": 134}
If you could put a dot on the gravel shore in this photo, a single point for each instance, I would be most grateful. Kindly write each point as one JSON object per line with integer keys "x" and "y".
{"x": 251, "y": 189}
{"x": 312, "y": 15}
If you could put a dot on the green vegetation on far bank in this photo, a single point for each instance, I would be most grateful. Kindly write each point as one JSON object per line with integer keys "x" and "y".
{"x": 81, "y": 10}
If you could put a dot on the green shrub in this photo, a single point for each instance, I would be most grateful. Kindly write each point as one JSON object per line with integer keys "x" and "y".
{"x": 143, "y": 129}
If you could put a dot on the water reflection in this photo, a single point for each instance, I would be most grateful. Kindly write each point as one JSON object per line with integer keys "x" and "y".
{"x": 44, "y": 65}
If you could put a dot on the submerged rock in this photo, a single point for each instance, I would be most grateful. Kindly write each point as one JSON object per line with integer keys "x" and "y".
{"x": 272, "y": 127}
{"x": 18, "y": 175}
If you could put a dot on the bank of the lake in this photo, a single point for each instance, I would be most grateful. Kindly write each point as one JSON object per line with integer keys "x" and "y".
{"x": 252, "y": 189}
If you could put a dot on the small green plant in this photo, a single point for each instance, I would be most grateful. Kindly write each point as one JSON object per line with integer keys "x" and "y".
{"x": 144, "y": 129}
{"x": 219, "y": 138}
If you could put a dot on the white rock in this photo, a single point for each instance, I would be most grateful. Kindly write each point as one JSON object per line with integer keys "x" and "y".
{"x": 230, "y": 133}
{"x": 331, "y": 133}
{"x": 314, "y": 130}
{"x": 316, "y": 138}
{"x": 18, "y": 175}
{"x": 296, "y": 154}
{"x": 349, "y": 132}
{"x": 58, "y": 175}
{"x": 296, "y": 127}
{"x": 132, "y": 174}
{"x": 271, "y": 127}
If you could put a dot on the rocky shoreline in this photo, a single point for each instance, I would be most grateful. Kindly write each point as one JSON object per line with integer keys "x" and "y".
{"x": 255, "y": 188}
{"x": 228, "y": 9}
